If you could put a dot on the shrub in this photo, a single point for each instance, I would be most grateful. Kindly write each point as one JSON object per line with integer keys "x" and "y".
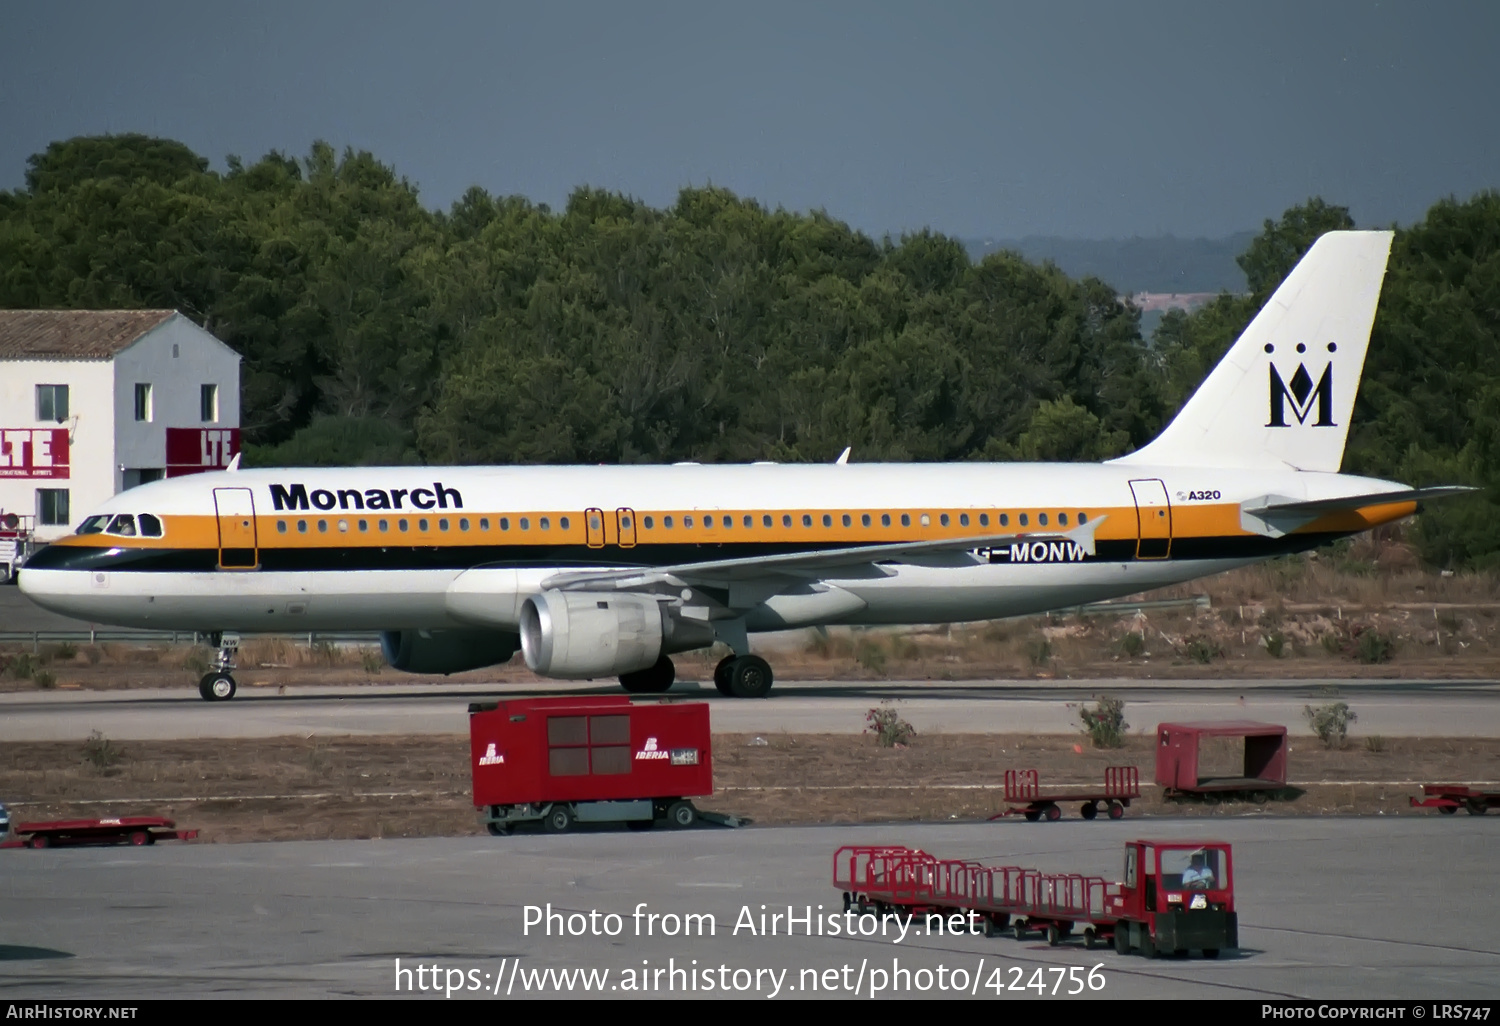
{"x": 870, "y": 655}
{"x": 1374, "y": 646}
{"x": 1039, "y": 650}
{"x": 1375, "y": 743}
{"x": 905, "y": 649}
{"x": 100, "y": 752}
{"x": 1275, "y": 643}
{"x": 44, "y": 680}
{"x": 371, "y": 660}
{"x": 22, "y": 666}
{"x": 1331, "y": 644}
{"x": 1133, "y": 643}
{"x": 888, "y": 726}
{"x": 67, "y": 651}
{"x": 1203, "y": 650}
{"x": 1330, "y": 723}
{"x": 1105, "y": 723}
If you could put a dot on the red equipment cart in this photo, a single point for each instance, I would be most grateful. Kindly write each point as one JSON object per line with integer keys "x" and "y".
{"x": 558, "y": 761}
{"x": 1177, "y": 896}
{"x": 135, "y": 830}
{"x": 1447, "y": 798}
{"x": 1178, "y": 751}
{"x": 1024, "y": 794}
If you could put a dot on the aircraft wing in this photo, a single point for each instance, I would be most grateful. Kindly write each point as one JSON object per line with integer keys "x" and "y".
{"x": 1276, "y": 515}
{"x": 853, "y": 561}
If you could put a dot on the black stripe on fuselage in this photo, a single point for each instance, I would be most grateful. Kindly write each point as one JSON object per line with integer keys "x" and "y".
{"x": 465, "y": 557}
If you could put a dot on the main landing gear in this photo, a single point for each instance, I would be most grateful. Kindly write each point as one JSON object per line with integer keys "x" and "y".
{"x": 746, "y": 676}
{"x": 217, "y": 685}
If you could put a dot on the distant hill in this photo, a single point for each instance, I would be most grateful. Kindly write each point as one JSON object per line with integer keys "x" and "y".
{"x": 1162, "y": 264}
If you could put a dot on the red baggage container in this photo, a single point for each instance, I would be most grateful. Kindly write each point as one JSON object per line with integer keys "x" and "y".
{"x": 596, "y": 759}
{"x": 1177, "y": 764}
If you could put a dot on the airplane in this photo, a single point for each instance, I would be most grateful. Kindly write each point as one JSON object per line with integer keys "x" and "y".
{"x": 596, "y": 572}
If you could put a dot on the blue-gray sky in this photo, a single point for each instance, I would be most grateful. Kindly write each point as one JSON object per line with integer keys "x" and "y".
{"x": 1083, "y": 119}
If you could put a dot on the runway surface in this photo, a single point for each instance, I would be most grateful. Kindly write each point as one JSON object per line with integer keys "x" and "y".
{"x": 1385, "y": 707}
{"x": 1350, "y": 908}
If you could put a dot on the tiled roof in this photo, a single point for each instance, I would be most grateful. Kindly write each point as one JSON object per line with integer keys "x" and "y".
{"x": 73, "y": 334}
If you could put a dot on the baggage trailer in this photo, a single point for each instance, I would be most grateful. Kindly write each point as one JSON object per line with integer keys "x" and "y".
{"x": 136, "y": 830}
{"x": 560, "y": 761}
{"x": 1024, "y": 794}
{"x": 1176, "y": 896}
{"x": 1447, "y": 799}
{"x": 1179, "y": 749}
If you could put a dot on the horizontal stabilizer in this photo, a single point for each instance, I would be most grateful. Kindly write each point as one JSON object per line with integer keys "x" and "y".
{"x": 1276, "y": 515}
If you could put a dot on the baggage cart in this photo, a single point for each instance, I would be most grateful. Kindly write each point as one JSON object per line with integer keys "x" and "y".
{"x": 1024, "y": 795}
{"x": 134, "y": 830}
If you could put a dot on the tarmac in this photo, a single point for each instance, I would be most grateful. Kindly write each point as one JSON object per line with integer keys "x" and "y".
{"x": 1358, "y": 908}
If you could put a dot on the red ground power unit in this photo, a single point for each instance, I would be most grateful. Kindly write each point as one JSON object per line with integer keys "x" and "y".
{"x": 596, "y": 759}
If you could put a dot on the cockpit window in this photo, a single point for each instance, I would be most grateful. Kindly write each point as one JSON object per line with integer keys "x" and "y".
{"x": 93, "y": 524}
{"x": 150, "y": 526}
{"x": 123, "y": 524}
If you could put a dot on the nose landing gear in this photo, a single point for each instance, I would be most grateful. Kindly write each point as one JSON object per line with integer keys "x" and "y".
{"x": 217, "y": 685}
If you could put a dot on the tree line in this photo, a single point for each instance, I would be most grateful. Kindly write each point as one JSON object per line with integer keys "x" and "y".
{"x": 375, "y": 330}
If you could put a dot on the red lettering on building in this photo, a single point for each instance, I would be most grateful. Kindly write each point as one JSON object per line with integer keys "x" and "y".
{"x": 34, "y": 452}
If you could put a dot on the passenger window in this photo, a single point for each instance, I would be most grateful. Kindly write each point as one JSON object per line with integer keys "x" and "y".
{"x": 421, "y": 524}
{"x": 546, "y": 523}
{"x": 1083, "y": 518}
{"x": 827, "y": 520}
{"x": 749, "y": 520}
{"x": 864, "y": 520}
{"x": 1004, "y": 519}
{"x": 765, "y": 520}
{"x": 726, "y": 522}
{"x": 525, "y": 523}
{"x": 885, "y": 520}
{"x": 1062, "y": 518}
{"x": 926, "y": 520}
{"x": 364, "y": 525}
{"x": 963, "y": 520}
{"x": 442, "y": 523}
{"x": 687, "y": 521}
{"x": 343, "y": 527}
{"x": 984, "y": 520}
{"x": 280, "y": 527}
{"x": 666, "y": 522}
{"x": 906, "y": 520}
{"x": 484, "y": 523}
{"x": 943, "y": 520}
{"x": 463, "y": 523}
{"x": 505, "y": 523}
{"x": 323, "y": 526}
{"x": 302, "y": 526}
{"x": 123, "y": 525}
{"x": 848, "y": 521}
{"x": 1041, "y": 519}
{"x": 563, "y": 522}
{"x": 786, "y": 520}
{"x": 806, "y": 520}
{"x": 708, "y": 521}
{"x": 384, "y": 525}
{"x": 1023, "y": 519}
{"x": 402, "y": 525}
{"x": 650, "y": 523}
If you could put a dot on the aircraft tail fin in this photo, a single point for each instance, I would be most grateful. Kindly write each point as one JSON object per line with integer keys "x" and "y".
{"x": 1283, "y": 394}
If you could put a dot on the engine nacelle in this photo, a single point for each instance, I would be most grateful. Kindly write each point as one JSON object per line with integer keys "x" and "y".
{"x": 578, "y": 634}
{"x": 447, "y": 651}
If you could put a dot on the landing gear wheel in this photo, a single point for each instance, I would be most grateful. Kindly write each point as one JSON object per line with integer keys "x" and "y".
{"x": 559, "y": 820}
{"x": 1122, "y": 939}
{"x": 681, "y": 815}
{"x": 1032, "y": 815}
{"x": 216, "y": 687}
{"x": 498, "y": 829}
{"x": 721, "y": 676}
{"x": 1053, "y": 813}
{"x": 140, "y": 838}
{"x": 1089, "y": 810}
{"x": 750, "y": 677}
{"x": 1116, "y": 810}
{"x": 651, "y": 681}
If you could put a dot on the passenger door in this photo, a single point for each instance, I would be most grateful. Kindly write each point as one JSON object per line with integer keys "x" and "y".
{"x": 625, "y": 527}
{"x": 238, "y": 548}
{"x": 593, "y": 525}
{"x": 1153, "y": 513}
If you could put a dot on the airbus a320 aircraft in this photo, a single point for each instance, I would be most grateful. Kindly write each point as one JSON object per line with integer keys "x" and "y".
{"x": 607, "y": 571}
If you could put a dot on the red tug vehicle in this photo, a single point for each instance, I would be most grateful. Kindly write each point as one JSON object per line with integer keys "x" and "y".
{"x": 557, "y": 761}
{"x": 1177, "y": 896}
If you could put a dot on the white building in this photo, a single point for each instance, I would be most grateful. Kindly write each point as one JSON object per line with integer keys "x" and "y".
{"x": 96, "y": 401}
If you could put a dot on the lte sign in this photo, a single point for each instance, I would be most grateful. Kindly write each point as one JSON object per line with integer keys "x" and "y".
{"x": 195, "y": 450}
{"x": 34, "y": 452}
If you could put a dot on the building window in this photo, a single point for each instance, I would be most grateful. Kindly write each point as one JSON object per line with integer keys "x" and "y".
{"x": 143, "y": 402}
{"x": 52, "y": 403}
{"x": 52, "y": 507}
{"x": 208, "y": 404}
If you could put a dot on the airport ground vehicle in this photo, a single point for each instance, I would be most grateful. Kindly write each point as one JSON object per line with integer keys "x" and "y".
{"x": 134, "y": 830}
{"x": 1023, "y": 793}
{"x": 1448, "y": 798}
{"x": 1176, "y": 896}
{"x": 1181, "y": 773}
{"x": 558, "y": 761}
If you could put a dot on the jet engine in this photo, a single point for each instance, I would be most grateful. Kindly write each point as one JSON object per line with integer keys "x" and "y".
{"x": 576, "y": 634}
{"x": 447, "y": 651}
